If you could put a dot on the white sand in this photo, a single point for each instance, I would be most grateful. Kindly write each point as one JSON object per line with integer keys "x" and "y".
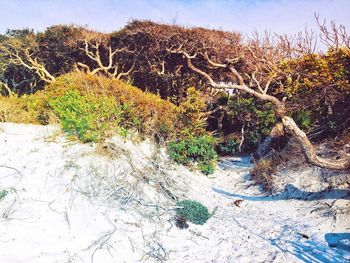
{"x": 65, "y": 203}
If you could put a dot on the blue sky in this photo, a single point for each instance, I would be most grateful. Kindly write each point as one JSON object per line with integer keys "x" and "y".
{"x": 289, "y": 16}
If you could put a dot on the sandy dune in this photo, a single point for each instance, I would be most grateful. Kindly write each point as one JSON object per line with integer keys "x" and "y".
{"x": 68, "y": 202}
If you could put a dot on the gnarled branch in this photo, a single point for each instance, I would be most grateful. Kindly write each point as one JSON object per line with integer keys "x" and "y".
{"x": 288, "y": 123}
{"x": 111, "y": 69}
{"x": 24, "y": 57}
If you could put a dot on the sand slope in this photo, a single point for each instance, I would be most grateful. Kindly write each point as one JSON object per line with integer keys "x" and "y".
{"x": 69, "y": 202}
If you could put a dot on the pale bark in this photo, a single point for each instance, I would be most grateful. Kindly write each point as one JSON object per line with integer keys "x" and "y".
{"x": 111, "y": 69}
{"x": 308, "y": 149}
{"x": 242, "y": 138}
{"x": 261, "y": 93}
{"x": 23, "y": 57}
{"x": 7, "y": 88}
{"x": 276, "y": 132}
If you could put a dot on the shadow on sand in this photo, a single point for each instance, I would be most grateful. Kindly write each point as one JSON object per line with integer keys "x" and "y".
{"x": 308, "y": 250}
{"x": 291, "y": 192}
{"x": 311, "y": 251}
{"x": 338, "y": 240}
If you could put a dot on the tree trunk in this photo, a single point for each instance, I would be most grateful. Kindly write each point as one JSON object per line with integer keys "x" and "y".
{"x": 309, "y": 150}
{"x": 289, "y": 125}
{"x": 276, "y": 132}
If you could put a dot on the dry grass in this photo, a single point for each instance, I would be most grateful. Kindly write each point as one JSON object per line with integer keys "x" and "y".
{"x": 26, "y": 109}
{"x": 265, "y": 169}
{"x": 14, "y": 110}
{"x": 263, "y": 174}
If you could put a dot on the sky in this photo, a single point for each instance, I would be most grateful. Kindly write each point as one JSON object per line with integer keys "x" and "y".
{"x": 246, "y": 16}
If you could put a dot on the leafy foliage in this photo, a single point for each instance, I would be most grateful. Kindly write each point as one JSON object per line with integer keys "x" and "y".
{"x": 190, "y": 113}
{"x": 3, "y": 193}
{"x": 193, "y": 211}
{"x": 228, "y": 147}
{"x": 303, "y": 119}
{"x": 87, "y": 117}
{"x": 200, "y": 149}
{"x": 324, "y": 80}
{"x": 145, "y": 112}
{"x": 258, "y": 118}
{"x": 88, "y": 106}
{"x": 24, "y": 109}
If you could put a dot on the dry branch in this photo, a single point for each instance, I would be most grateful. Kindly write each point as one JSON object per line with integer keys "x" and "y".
{"x": 265, "y": 57}
{"x": 23, "y": 56}
{"x": 112, "y": 68}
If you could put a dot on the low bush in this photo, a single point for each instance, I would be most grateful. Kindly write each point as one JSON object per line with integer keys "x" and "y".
{"x": 88, "y": 117}
{"x": 262, "y": 173}
{"x": 87, "y": 106}
{"x": 192, "y": 211}
{"x": 25, "y": 109}
{"x": 93, "y": 107}
{"x": 228, "y": 147}
{"x": 303, "y": 119}
{"x": 147, "y": 113}
{"x": 200, "y": 149}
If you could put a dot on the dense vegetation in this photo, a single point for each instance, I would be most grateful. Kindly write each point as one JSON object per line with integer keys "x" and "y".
{"x": 193, "y": 211}
{"x": 174, "y": 101}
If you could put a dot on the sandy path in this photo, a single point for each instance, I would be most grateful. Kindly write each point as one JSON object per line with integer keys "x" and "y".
{"x": 49, "y": 214}
{"x": 281, "y": 228}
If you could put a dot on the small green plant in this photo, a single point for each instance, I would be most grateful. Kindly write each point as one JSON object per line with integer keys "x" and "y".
{"x": 206, "y": 167}
{"x": 193, "y": 211}
{"x": 87, "y": 117}
{"x": 228, "y": 147}
{"x": 3, "y": 193}
{"x": 190, "y": 109}
{"x": 252, "y": 139}
{"x": 200, "y": 149}
{"x": 123, "y": 132}
{"x": 303, "y": 119}
{"x": 332, "y": 125}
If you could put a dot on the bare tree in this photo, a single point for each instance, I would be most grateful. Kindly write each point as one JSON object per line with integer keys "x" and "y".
{"x": 334, "y": 35}
{"x": 23, "y": 55}
{"x": 257, "y": 77}
{"x": 113, "y": 69}
{"x": 11, "y": 86}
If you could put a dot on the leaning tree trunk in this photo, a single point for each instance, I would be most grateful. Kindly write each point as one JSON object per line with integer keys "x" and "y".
{"x": 261, "y": 93}
{"x": 308, "y": 149}
{"x": 276, "y": 132}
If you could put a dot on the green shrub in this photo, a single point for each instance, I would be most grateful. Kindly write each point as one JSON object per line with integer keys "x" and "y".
{"x": 228, "y": 147}
{"x": 87, "y": 117}
{"x": 206, "y": 167}
{"x": 259, "y": 118}
{"x": 303, "y": 119}
{"x": 24, "y": 109}
{"x": 190, "y": 111}
{"x": 145, "y": 112}
{"x": 251, "y": 139}
{"x": 193, "y": 211}
{"x": 200, "y": 149}
{"x": 3, "y": 193}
